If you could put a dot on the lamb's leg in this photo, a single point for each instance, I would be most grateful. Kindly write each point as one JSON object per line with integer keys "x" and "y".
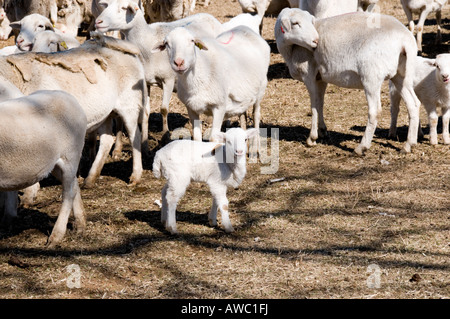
{"x": 445, "y": 124}
{"x": 433, "y": 119}
{"x": 409, "y": 16}
{"x": 255, "y": 143}
{"x": 174, "y": 191}
{"x": 118, "y": 146}
{"x": 395, "y": 98}
{"x": 219, "y": 193}
{"x": 29, "y": 195}
{"x": 318, "y": 127}
{"x": 106, "y": 142}
{"x": 64, "y": 173}
{"x": 420, "y": 24}
{"x": 374, "y": 102}
{"x": 164, "y": 204}
{"x": 196, "y": 125}
{"x": 212, "y": 217}
{"x": 167, "y": 94}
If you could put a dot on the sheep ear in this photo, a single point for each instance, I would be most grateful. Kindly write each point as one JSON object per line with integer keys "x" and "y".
{"x": 159, "y": 47}
{"x": 199, "y": 44}
{"x": 62, "y": 46}
{"x": 285, "y": 25}
{"x": 133, "y": 7}
{"x": 16, "y": 25}
{"x": 252, "y": 132}
{"x": 49, "y": 26}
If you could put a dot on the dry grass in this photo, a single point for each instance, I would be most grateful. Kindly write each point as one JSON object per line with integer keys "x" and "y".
{"x": 312, "y": 235}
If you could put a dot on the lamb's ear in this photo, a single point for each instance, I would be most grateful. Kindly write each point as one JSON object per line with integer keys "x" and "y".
{"x": 285, "y": 25}
{"x": 252, "y": 132}
{"x": 200, "y": 44}
{"x": 159, "y": 47}
{"x": 133, "y": 7}
{"x": 62, "y": 46}
{"x": 48, "y": 26}
{"x": 16, "y": 25}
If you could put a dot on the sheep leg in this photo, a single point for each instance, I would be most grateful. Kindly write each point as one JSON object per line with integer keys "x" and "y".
{"x": 64, "y": 173}
{"x": 438, "y": 23}
{"x": 9, "y": 201}
{"x": 173, "y": 193}
{"x": 118, "y": 146}
{"x": 433, "y": 119}
{"x": 255, "y": 143}
{"x": 130, "y": 121}
{"x": 395, "y": 98}
{"x": 218, "y": 116}
{"x": 196, "y": 125}
{"x": 409, "y": 16}
{"x": 144, "y": 126}
{"x": 374, "y": 103}
{"x": 192, "y": 8}
{"x": 420, "y": 24}
{"x": 445, "y": 124}
{"x": 167, "y": 95}
{"x": 318, "y": 127}
{"x": 212, "y": 217}
{"x": 164, "y": 204}
{"x": 106, "y": 142}
{"x": 219, "y": 193}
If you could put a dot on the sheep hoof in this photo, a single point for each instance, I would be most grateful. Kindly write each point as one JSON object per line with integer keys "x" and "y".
{"x": 172, "y": 230}
{"x": 310, "y": 142}
{"x": 212, "y": 223}
{"x": 360, "y": 150}
{"x": 53, "y": 240}
{"x": 447, "y": 141}
{"x": 406, "y": 149}
{"x": 229, "y": 229}
{"x": 88, "y": 184}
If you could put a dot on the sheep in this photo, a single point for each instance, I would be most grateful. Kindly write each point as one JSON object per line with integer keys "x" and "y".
{"x": 431, "y": 84}
{"x": 166, "y": 10}
{"x": 18, "y": 9}
{"x": 8, "y": 50}
{"x": 145, "y": 36}
{"x": 316, "y": 55}
{"x": 193, "y": 3}
{"x": 43, "y": 133}
{"x": 33, "y": 24}
{"x": 366, "y": 5}
{"x": 218, "y": 165}
{"x": 268, "y": 7}
{"x": 328, "y": 8}
{"x": 253, "y": 21}
{"x": 49, "y": 41}
{"x": 109, "y": 81}
{"x": 5, "y": 28}
{"x": 221, "y": 77}
{"x": 423, "y": 8}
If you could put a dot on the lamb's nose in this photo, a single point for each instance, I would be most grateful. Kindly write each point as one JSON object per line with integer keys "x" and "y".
{"x": 179, "y": 62}
{"x": 19, "y": 40}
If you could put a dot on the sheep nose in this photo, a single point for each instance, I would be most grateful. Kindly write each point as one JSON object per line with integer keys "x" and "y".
{"x": 316, "y": 41}
{"x": 179, "y": 62}
{"x": 19, "y": 40}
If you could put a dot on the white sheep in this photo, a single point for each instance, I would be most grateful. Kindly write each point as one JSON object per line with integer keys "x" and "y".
{"x": 253, "y": 21}
{"x": 18, "y": 9}
{"x": 5, "y": 28}
{"x": 43, "y": 133}
{"x": 219, "y": 165}
{"x": 349, "y": 51}
{"x": 423, "y": 8}
{"x": 33, "y": 24}
{"x": 221, "y": 77}
{"x": 145, "y": 36}
{"x": 328, "y": 8}
{"x": 106, "y": 77}
{"x": 166, "y": 10}
{"x": 432, "y": 87}
{"x": 193, "y": 4}
{"x": 366, "y": 5}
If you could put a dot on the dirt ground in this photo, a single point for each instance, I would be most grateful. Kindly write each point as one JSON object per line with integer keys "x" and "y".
{"x": 335, "y": 226}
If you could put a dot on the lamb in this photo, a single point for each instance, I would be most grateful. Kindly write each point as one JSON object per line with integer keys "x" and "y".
{"x": 145, "y": 36}
{"x": 253, "y": 21}
{"x": 5, "y": 28}
{"x": 33, "y": 24}
{"x": 109, "y": 81}
{"x": 316, "y": 56}
{"x": 431, "y": 84}
{"x": 221, "y": 77}
{"x": 269, "y": 7}
{"x": 423, "y": 8}
{"x": 218, "y": 165}
{"x": 49, "y": 41}
{"x": 33, "y": 154}
{"x": 328, "y": 8}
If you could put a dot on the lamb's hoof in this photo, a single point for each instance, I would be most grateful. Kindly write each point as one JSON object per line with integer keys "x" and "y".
{"x": 406, "y": 149}
{"x": 212, "y": 223}
{"x": 134, "y": 180}
{"x": 229, "y": 229}
{"x": 54, "y": 240}
{"x": 360, "y": 150}
{"x": 447, "y": 142}
{"x": 172, "y": 230}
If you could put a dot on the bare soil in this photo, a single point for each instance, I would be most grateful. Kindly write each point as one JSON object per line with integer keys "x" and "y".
{"x": 336, "y": 226}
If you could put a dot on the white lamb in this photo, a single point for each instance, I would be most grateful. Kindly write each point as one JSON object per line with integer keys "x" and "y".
{"x": 328, "y": 8}
{"x": 423, "y": 8}
{"x": 40, "y": 134}
{"x": 253, "y": 21}
{"x": 33, "y": 24}
{"x": 219, "y": 165}
{"x": 432, "y": 86}
{"x": 348, "y": 51}
{"x": 132, "y": 24}
{"x": 49, "y": 41}
{"x": 221, "y": 77}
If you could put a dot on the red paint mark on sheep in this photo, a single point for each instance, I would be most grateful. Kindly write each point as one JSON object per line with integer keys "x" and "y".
{"x": 229, "y": 40}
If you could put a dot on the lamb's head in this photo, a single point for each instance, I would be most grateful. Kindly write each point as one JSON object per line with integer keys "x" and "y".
{"x": 47, "y": 42}
{"x": 181, "y": 47}
{"x": 117, "y": 14}
{"x": 30, "y": 26}
{"x": 296, "y": 27}
{"x": 235, "y": 140}
{"x": 442, "y": 63}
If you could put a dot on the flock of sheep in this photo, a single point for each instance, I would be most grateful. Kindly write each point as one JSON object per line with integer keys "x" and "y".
{"x": 56, "y": 93}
